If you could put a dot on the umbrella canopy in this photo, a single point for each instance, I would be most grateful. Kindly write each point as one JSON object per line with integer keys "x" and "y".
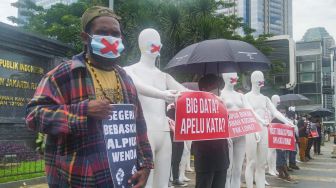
{"x": 293, "y": 99}
{"x": 322, "y": 112}
{"x": 218, "y": 56}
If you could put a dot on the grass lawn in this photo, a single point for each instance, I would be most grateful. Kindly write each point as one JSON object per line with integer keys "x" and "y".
{"x": 27, "y": 169}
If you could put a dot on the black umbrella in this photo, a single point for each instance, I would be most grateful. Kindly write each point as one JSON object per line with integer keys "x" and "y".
{"x": 322, "y": 112}
{"x": 293, "y": 99}
{"x": 218, "y": 56}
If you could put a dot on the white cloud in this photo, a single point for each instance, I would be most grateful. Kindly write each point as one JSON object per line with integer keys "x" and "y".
{"x": 313, "y": 13}
{"x": 7, "y": 10}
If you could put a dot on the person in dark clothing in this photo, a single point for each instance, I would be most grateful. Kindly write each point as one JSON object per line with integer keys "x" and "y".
{"x": 211, "y": 156}
{"x": 292, "y": 154}
{"x": 311, "y": 125}
{"x": 317, "y": 140}
{"x": 303, "y": 138}
{"x": 177, "y": 151}
{"x": 281, "y": 158}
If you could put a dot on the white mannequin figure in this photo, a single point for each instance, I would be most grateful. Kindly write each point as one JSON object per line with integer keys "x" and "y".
{"x": 188, "y": 166}
{"x": 184, "y": 161}
{"x": 235, "y": 101}
{"x": 271, "y": 155}
{"x": 256, "y": 152}
{"x": 149, "y": 78}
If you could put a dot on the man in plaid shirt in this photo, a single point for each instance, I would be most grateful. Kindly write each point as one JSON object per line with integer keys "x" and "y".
{"x": 73, "y": 98}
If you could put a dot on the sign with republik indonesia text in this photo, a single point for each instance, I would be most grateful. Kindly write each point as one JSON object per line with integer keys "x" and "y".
{"x": 120, "y": 140}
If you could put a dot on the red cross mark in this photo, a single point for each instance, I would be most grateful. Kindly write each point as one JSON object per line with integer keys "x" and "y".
{"x": 155, "y": 48}
{"x": 109, "y": 47}
{"x": 261, "y": 83}
{"x": 233, "y": 80}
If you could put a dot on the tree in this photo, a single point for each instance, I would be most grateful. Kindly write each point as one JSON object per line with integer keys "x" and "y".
{"x": 60, "y": 22}
{"x": 180, "y": 23}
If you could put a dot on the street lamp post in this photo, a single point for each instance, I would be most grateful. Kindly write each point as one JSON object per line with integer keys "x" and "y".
{"x": 111, "y": 3}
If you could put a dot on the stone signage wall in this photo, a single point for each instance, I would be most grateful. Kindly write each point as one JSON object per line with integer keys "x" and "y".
{"x": 24, "y": 59}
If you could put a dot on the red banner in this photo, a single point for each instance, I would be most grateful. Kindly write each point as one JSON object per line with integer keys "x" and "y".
{"x": 242, "y": 122}
{"x": 314, "y": 133}
{"x": 200, "y": 116}
{"x": 281, "y": 136}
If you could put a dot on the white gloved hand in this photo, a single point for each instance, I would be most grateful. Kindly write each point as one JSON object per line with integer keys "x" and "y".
{"x": 170, "y": 95}
{"x": 170, "y": 106}
{"x": 257, "y": 137}
{"x": 291, "y": 124}
{"x": 265, "y": 123}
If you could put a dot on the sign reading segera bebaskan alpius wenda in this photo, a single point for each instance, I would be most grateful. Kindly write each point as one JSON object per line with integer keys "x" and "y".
{"x": 120, "y": 139}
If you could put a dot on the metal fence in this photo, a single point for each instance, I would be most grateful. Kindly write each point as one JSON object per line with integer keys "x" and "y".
{"x": 17, "y": 161}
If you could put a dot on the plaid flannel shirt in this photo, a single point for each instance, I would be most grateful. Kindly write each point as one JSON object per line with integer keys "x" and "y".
{"x": 75, "y": 153}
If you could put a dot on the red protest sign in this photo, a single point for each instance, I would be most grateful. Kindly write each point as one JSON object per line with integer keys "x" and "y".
{"x": 314, "y": 133}
{"x": 242, "y": 122}
{"x": 200, "y": 116}
{"x": 281, "y": 136}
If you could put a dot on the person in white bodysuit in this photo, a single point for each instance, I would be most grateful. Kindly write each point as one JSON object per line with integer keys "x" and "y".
{"x": 147, "y": 75}
{"x": 234, "y": 101}
{"x": 271, "y": 155}
{"x": 256, "y": 152}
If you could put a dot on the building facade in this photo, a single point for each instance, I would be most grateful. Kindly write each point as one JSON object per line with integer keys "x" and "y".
{"x": 265, "y": 16}
{"x": 315, "y": 67}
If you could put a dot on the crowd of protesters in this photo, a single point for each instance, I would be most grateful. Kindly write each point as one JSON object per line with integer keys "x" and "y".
{"x": 308, "y": 135}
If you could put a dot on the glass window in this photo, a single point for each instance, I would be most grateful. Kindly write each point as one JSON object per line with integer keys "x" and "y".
{"x": 307, "y": 67}
{"x": 308, "y": 88}
{"x": 307, "y": 77}
{"x": 315, "y": 98}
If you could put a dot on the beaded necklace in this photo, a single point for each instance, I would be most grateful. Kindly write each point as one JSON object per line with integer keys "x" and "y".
{"x": 118, "y": 97}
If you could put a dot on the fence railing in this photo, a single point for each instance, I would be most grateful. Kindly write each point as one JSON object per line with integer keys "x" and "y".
{"x": 18, "y": 160}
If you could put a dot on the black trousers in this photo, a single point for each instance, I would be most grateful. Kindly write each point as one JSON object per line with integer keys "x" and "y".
{"x": 214, "y": 179}
{"x": 309, "y": 146}
{"x": 317, "y": 145}
{"x": 177, "y": 151}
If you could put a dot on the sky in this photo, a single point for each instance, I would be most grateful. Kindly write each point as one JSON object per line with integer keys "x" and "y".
{"x": 313, "y": 13}
{"x": 306, "y": 14}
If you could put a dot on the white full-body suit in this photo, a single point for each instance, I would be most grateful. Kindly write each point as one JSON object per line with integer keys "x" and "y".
{"x": 184, "y": 161}
{"x": 151, "y": 82}
{"x": 271, "y": 156}
{"x": 256, "y": 152}
{"x": 234, "y": 101}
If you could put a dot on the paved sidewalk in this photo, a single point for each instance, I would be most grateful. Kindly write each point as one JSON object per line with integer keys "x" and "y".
{"x": 317, "y": 173}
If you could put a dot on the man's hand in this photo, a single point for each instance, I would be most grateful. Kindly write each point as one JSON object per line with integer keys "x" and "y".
{"x": 140, "y": 178}
{"x": 170, "y": 96}
{"x": 99, "y": 109}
